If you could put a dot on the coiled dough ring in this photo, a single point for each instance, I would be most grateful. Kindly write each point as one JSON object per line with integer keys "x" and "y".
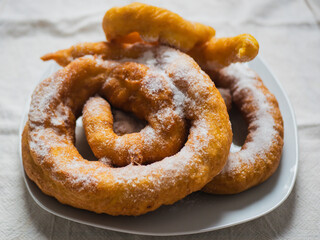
{"x": 148, "y": 99}
{"x": 163, "y": 137}
{"x": 51, "y": 160}
{"x": 258, "y": 157}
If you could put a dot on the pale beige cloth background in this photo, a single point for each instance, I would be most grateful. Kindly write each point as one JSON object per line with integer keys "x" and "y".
{"x": 289, "y": 36}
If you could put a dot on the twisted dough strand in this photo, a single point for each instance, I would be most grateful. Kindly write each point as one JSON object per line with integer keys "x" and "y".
{"x": 139, "y": 22}
{"x": 221, "y": 52}
{"x": 155, "y": 24}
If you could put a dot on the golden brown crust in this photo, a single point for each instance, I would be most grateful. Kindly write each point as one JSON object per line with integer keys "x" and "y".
{"x": 154, "y": 24}
{"x": 54, "y": 164}
{"x": 110, "y": 50}
{"x": 214, "y": 54}
{"x": 138, "y": 22}
{"x": 221, "y": 52}
{"x": 260, "y": 155}
{"x": 226, "y": 95}
{"x": 162, "y": 137}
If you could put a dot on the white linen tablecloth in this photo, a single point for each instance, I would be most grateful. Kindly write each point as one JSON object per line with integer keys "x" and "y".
{"x": 289, "y": 37}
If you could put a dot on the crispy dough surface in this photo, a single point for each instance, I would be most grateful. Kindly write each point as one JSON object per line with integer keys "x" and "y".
{"x": 54, "y": 164}
{"x": 154, "y": 24}
{"x": 138, "y": 22}
{"x": 165, "y": 132}
{"x": 218, "y": 53}
{"x": 261, "y": 152}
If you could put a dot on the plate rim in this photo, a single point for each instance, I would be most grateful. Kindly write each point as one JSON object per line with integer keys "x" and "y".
{"x": 209, "y": 229}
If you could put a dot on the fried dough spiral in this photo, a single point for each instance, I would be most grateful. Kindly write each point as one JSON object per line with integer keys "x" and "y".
{"x": 51, "y": 160}
{"x": 258, "y": 158}
{"x": 163, "y": 137}
{"x": 137, "y": 24}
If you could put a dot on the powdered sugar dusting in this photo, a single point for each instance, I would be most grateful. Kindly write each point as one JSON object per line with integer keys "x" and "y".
{"x": 158, "y": 63}
{"x": 263, "y": 123}
{"x": 202, "y": 136}
{"x": 41, "y": 106}
{"x": 150, "y": 135}
{"x": 153, "y": 86}
{"x": 80, "y": 174}
{"x": 38, "y": 143}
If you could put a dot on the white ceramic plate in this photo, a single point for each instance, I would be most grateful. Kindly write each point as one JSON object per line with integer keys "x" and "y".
{"x": 198, "y": 212}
